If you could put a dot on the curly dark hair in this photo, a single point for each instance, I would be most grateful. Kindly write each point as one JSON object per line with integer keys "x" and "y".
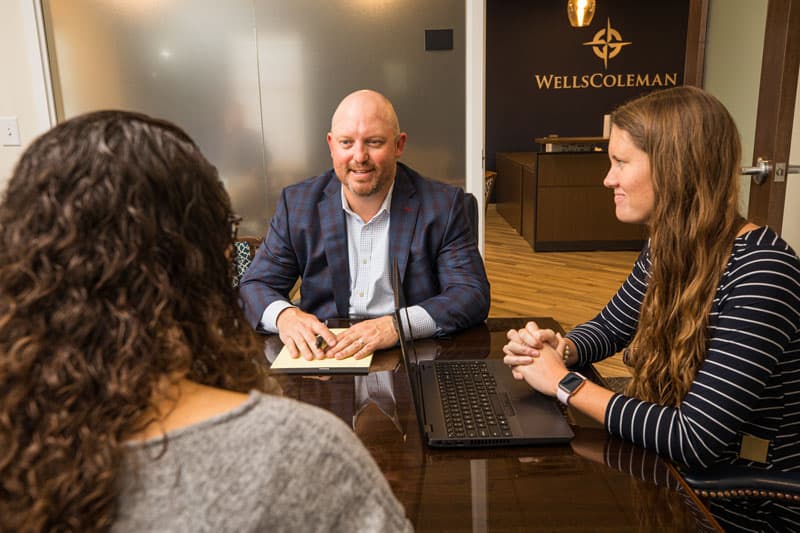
{"x": 114, "y": 274}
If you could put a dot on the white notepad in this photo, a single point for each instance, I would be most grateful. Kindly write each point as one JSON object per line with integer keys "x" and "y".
{"x": 286, "y": 364}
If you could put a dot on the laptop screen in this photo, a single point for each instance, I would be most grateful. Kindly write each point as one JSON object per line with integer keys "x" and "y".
{"x": 407, "y": 350}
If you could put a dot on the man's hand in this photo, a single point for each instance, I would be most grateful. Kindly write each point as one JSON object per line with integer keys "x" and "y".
{"x": 299, "y": 330}
{"x": 363, "y": 338}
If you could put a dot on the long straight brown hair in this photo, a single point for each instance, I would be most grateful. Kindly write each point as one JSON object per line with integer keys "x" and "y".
{"x": 695, "y": 151}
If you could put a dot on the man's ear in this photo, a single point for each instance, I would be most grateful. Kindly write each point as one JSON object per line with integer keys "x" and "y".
{"x": 400, "y": 144}
{"x": 329, "y": 138}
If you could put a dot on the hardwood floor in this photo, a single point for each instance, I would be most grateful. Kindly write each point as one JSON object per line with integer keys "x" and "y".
{"x": 571, "y": 287}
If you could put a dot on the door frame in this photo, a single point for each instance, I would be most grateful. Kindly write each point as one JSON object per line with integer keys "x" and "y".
{"x": 776, "y": 102}
{"x": 475, "y": 90}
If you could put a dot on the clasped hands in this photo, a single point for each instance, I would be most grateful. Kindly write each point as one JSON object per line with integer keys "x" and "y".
{"x": 536, "y": 355}
{"x": 299, "y": 330}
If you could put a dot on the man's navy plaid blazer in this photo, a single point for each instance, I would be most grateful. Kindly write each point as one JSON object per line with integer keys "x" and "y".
{"x": 429, "y": 236}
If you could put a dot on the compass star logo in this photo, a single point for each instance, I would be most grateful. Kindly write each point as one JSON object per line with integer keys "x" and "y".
{"x": 607, "y": 43}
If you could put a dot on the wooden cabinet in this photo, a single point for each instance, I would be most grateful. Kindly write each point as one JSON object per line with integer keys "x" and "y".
{"x": 557, "y": 202}
{"x": 516, "y": 176}
{"x": 529, "y": 198}
{"x": 574, "y": 211}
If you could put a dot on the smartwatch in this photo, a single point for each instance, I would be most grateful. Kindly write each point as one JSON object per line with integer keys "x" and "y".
{"x": 568, "y": 386}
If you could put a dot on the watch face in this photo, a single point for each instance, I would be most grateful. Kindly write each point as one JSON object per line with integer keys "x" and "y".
{"x": 571, "y": 382}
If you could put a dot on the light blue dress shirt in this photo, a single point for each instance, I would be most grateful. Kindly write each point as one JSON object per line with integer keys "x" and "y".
{"x": 371, "y": 293}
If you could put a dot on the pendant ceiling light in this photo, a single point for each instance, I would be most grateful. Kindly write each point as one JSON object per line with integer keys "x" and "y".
{"x": 580, "y": 12}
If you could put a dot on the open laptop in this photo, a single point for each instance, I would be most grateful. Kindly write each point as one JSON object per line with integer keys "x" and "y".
{"x": 475, "y": 402}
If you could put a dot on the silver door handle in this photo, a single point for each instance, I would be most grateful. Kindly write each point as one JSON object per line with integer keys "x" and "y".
{"x": 761, "y": 171}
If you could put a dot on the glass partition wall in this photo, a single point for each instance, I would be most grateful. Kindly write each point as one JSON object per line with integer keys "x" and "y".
{"x": 255, "y": 82}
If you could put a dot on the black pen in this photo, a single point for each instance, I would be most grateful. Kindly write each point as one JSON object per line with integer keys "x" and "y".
{"x": 321, "y": 344}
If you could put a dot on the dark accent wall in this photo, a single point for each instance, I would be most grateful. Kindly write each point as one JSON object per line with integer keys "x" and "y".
{"x": 527, "y": 38}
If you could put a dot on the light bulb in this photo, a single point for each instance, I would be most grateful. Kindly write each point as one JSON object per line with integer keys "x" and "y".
{"x": 580, "y": 12}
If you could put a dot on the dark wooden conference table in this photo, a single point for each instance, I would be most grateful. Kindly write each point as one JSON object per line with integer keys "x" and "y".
{"x": 595, "y": 483}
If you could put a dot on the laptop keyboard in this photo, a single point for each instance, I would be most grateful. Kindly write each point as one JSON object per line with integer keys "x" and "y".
{"x": 469, "y": 400}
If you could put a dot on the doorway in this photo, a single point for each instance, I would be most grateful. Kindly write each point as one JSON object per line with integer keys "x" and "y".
{"x": 751, "y": 65}
{"x": 777, "y": 113}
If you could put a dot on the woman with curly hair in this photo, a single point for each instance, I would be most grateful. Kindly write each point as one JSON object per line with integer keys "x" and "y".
{"x": 123, "y": 346}
{"x": 709, "y": 318}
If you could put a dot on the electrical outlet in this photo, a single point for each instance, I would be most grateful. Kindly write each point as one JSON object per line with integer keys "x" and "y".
{"x": 9, "y": 131}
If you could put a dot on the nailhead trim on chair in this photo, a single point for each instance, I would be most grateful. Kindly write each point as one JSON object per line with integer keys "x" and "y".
{"x": 741, "y": 481}
{"x": 748, "y": 493}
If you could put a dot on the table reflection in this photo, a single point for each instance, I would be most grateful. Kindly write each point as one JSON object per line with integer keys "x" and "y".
{"x": 558, "y": 487}
{"x": 376, "y": 389}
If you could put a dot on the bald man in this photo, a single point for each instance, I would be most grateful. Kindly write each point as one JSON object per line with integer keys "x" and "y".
{"x": 340, "y": 233}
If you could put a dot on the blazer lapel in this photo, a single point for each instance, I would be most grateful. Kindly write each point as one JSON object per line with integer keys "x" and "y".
{"x": 403, "y": 220}
{"x": 334, "y": 236}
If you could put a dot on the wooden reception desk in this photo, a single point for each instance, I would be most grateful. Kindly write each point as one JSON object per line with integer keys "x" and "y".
{"x": 557, "y": 202}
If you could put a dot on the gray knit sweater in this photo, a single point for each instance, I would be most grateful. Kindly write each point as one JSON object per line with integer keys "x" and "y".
{"x": 271, "y": 464}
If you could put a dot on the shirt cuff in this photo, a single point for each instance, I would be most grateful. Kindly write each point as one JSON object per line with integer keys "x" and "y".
{"x": 421, "y": 323}
{"x": 269, "y": 319}
{"x": 582, "y": 347}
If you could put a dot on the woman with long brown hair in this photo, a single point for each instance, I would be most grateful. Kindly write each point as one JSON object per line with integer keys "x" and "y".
{"x": 122, "y": 344}
{"x": 709, "y": 318}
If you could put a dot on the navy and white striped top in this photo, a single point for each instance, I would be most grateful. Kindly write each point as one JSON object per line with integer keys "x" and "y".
{"x": 749, "y": 383}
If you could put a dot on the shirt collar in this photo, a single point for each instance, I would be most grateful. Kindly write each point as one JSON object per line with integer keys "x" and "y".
{"x": 385, "y": 206}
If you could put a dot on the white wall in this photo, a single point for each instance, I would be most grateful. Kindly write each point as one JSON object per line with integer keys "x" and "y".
{"x": 22, "y": 90}
{"x": 475, "y": 101}
{"x": 791, "y": 206}
{"x": 736, "y": 30}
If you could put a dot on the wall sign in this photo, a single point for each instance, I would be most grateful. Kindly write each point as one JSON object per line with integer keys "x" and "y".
{"x": 606, "y": 44}
{"x": 545, "y": 77}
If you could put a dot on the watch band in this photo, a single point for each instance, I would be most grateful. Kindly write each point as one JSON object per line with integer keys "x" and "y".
{"x": 563, "y": 393}
{"x": 563, "y": 396}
